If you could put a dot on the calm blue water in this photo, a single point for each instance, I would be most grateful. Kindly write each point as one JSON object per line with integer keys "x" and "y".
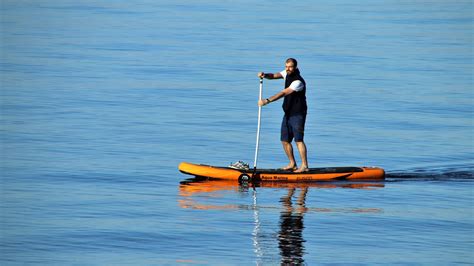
{"x": 101, "y": 101}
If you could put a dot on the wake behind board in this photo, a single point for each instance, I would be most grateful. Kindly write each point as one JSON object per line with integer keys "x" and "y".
{"x": 314, "y": 174}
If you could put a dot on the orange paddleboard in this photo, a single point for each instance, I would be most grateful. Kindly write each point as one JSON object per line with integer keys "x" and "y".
{"x": 314, "y": 174}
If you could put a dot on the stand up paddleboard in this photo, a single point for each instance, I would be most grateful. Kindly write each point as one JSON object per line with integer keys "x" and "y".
{"x": 314, "y": 174}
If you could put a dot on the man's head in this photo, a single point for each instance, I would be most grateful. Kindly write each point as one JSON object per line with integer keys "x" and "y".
{"x": 290, "y": 66}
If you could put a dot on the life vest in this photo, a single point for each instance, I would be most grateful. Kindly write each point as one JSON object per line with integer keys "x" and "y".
{"x": 295, "y": 103}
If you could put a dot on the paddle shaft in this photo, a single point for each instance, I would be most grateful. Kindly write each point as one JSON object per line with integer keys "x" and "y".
{"x": 258, "y": 128}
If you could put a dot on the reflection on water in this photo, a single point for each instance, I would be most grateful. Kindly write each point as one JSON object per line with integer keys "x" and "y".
{"x": 190, "y": 189}
{"x": 290, "y": 238}
{"x": 256, "y": 230}
{"x": 292, "y": 208}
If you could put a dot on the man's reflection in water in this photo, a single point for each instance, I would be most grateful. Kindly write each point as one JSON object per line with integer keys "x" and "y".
{"x": 290, "y": 238}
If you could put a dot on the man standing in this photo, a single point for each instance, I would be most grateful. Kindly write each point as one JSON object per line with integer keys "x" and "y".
{"x": 295, "y": 108}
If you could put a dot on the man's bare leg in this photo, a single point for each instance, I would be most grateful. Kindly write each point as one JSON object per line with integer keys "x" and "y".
{"x": 289, "y": 153}
{"x": 303, "y": 154}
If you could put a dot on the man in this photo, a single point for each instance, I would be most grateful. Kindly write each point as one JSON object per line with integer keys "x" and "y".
{"x": 295, "y": 108}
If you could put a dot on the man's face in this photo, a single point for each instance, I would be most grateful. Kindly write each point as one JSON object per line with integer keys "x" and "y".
{"x": 290, "y": 68}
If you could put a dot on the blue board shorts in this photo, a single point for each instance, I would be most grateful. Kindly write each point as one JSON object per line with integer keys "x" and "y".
{"x": 292, "y": 127}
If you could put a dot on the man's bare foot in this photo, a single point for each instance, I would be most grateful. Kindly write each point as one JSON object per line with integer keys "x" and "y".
{"x": 289, "y": 168}
{"x": 302, "y": 169}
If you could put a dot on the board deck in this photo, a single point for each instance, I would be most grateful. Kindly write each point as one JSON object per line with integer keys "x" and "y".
{"x": 314, "y": 174}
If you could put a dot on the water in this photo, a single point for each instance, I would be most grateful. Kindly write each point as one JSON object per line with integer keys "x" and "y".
{"x": 101, "y": 101}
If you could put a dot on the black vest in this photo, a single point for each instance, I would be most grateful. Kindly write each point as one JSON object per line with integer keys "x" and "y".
{"x": 295, "y": 103}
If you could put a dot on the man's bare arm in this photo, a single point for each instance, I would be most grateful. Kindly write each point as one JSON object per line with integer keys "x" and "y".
{"x": 270, "y": 75}
{"x": 276, "y": 97}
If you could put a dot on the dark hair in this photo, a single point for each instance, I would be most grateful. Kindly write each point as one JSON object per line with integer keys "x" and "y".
{"x": 292, "y": 60}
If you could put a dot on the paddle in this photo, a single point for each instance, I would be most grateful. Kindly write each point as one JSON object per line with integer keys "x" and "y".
{"x": 258, "y": 130}
{"x": 255, "y": 233}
